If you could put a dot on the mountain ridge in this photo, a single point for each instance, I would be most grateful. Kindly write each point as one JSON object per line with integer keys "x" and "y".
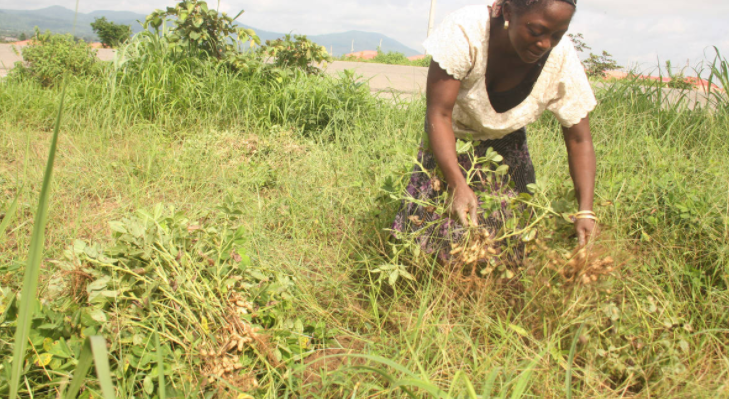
{"x": 59, "y": 19}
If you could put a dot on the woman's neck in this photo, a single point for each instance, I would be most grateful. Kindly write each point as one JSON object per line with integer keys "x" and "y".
{"x": 499, "y": 44}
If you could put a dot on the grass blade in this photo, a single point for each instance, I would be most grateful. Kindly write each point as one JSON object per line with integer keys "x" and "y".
{"x": 82, "y": 368}
{"x": 488, "y": 387}
{"x": 525, "y": 379}
{"x": 570, "y": 361}
{"x": 101, "y": 360}
{"x": 160, "y": 368}
{"x": 32, "y": 269}
{"x": 9, "y": 215}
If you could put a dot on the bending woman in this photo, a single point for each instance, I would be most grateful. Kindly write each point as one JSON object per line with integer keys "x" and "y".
{"x": 494, "y": 71}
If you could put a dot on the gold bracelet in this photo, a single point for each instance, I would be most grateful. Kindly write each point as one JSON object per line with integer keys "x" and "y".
{"x": 585, "y": 213}
{"x": 585, "y": 216}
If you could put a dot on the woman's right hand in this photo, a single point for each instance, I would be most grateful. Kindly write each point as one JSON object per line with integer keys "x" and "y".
{"x": 464, "y": 204}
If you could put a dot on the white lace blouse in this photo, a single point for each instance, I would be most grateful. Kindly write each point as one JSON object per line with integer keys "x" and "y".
{"x": 460, "y": 46}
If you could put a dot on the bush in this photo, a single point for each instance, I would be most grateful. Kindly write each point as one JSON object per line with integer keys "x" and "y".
{"x": 297, "y": 53}
{"x": 49, "y": 56}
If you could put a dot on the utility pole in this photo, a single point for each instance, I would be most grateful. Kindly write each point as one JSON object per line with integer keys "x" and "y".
{"x": 431, "y": 21}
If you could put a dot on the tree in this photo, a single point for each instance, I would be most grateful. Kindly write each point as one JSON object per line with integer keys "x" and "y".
{"x": 22, "y": 37}
{"x": 111, "y": 34}
{"x": 578, "y": 41}
{"x": 596, "y": 65}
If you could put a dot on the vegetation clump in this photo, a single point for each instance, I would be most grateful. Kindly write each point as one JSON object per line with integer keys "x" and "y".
{"x": 49, "y": 56}
{"x": 296, "y": 52}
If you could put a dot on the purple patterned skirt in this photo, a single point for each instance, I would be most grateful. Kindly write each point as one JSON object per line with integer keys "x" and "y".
{"x": 417, "y": 213}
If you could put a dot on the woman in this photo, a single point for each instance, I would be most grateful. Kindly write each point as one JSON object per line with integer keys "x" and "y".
{"x": 494, "y": 71}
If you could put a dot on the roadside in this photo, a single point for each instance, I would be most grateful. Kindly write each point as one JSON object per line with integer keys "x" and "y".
{"x": 387, "y": 81}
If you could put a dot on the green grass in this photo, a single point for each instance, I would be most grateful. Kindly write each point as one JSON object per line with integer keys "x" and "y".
{"x": 390, "y": 58}
{"x": 299, "y": 165}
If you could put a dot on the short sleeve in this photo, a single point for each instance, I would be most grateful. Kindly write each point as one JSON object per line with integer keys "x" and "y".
{"x": 450, "y": 46}
{"x": 575, "y": 99}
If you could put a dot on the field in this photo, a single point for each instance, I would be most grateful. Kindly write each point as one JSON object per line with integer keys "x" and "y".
{"x": 226, "y": 234}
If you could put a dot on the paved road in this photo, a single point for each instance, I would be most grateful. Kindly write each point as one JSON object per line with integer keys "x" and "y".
{"x": 7, "y": 58}
{"x": 387, "y": 80}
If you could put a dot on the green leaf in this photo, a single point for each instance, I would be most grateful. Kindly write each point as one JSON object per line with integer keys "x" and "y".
{"x": 60, "y": 349}
{"x": 519, "y": 330}
{"x": 502, "y": 169}
{"x": 43, "y": 360}
{"x": 99, "y": 284}
{"x": 393, "y": 277}
{"x": 148, "y": 384}
{"x": 117, "y": 227}
{"x": 529, "y": 235}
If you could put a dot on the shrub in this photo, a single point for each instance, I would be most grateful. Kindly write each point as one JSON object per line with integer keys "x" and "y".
{"x": 297, "y": 53}
{"x": 49, "y": 56}
{"x": 111, "y": 34}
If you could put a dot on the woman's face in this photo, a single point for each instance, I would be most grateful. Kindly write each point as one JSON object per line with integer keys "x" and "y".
{"x": 536, "y": 30}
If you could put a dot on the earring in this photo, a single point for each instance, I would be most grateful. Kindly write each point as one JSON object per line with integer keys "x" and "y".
{"x": 506, "y": 25}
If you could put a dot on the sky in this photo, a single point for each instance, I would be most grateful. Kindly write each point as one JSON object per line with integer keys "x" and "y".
{"x": 638, "y": 33}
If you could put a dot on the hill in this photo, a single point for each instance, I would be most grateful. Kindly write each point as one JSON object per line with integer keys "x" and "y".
{"x": 59, "y": 19}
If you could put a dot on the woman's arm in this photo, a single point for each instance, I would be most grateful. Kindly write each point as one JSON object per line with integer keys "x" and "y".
{"x": 582, "y": 163}
{"x": 441, "y": 92}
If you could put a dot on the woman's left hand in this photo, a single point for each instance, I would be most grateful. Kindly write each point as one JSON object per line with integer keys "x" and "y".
{"x": 585, "y": 229}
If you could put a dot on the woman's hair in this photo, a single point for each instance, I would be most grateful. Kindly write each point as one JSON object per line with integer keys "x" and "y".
{"x": 522, "y": 5}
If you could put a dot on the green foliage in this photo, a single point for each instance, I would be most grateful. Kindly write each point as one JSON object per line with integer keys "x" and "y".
{"x": 23, "y": 36}
{"x": 579, "y": 41}
{"x": 297, "y": 52}
{"x": 678, "y": 80}
{"x": 202, "y": 32}
{"x": 111, "y": 35}
{"x": 50, "y": 56}
{"x": 596, "y": 65}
